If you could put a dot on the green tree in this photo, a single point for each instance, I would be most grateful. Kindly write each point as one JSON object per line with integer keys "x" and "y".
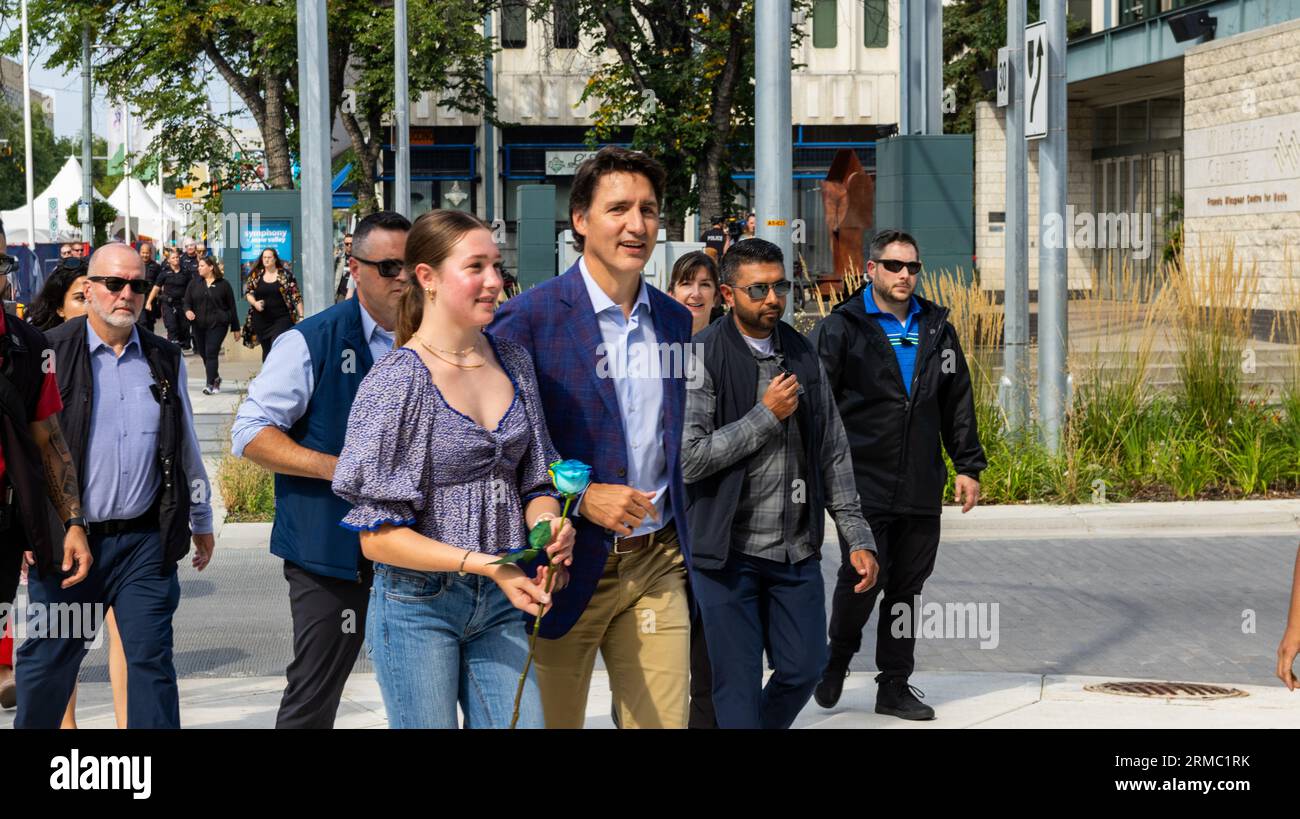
{"x": 973, "y": 31}
{"x": 447, "y": 55}
{"x": 684, "y": 74}
{"x": 160, "y": 58}
{"x": 46, "y": 156}
{"x": 101, "y": 218}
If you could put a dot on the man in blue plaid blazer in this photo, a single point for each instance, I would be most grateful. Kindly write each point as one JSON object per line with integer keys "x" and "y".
{"x": 609, "y": 352}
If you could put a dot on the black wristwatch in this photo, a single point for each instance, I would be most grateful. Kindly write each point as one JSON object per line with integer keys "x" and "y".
{"x": 77, "y": 521}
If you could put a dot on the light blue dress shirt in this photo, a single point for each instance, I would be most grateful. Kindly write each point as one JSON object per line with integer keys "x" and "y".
{"x": 279, "y": 395}
{"x": 639, "y": 389}
{"x": 122, "y": 475}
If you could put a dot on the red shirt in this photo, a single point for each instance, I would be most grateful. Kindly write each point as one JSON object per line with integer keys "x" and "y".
{"x": 47, "y": 404}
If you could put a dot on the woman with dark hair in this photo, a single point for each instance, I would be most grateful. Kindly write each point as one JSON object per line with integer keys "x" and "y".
{"x": 210, "y": 307}
{"x": 63, "y": 297}
{"x": 694, "y": 283}
{"x": 273, "y": 294}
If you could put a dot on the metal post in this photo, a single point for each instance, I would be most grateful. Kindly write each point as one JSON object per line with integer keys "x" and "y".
{"x": 1014, "y": 388}
{"x": 1053, "y": 329}
{"x": 314, "y": 135}
{"x": 933, "y": 57}
{"x": 401, "y": 114}
{"x": 126, "y": 167}
{"x": 773, "y": 173}
{"x": 87, "y": 144}
{"x": 162, "y": 205}
{"x": 27, "y": 136}
{"x": 489, "y": 135}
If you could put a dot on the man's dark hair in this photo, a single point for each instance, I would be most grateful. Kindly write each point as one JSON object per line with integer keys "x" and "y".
{"x": 611, "y": 159}
{"x": 750, "y": 251}
{"x": 887, "y": 237}
{"x": 382, "y": 220}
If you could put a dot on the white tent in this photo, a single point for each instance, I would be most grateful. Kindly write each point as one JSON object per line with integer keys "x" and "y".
{"x": 64, "y": 190}
{"x": 144, "y": 209}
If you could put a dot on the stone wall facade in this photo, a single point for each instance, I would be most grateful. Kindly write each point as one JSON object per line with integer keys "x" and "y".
{"x": 1242, "y": 121}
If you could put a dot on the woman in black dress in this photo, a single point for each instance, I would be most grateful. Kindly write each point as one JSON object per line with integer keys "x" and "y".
{"x": 210, "y": 307}
{"x": 273, "y": 294}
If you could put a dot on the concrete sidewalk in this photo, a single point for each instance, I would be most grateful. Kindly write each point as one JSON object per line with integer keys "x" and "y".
{"x": 974, "y": 700}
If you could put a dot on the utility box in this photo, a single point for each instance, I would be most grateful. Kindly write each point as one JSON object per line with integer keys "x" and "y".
{"x": 925, "y": 185}
{"x": 535, "y": 234}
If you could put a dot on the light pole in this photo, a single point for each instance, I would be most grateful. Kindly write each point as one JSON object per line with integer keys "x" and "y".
{"x": 314, "y": 140}
{"x": 401, "y": 114}
{"x": 27, "y": 136}
{"x": 87, "y": 205}
{"x": 772, "y": 149}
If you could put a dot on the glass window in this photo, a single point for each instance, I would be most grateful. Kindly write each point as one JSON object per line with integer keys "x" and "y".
{"x": 514, "y": 24}
{"x": 565, "y": 20}
{"x": 1166, "y": 118}
{"x": 1106, "y": 121}
{"x": 824, "y": 23}
{"x": 876, "y": 23}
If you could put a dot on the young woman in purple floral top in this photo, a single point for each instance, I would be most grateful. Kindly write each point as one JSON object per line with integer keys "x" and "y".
{"x": 445, "y": 463}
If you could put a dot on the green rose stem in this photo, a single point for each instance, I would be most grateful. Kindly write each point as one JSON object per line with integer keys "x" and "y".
{"x": 537, "y": 623}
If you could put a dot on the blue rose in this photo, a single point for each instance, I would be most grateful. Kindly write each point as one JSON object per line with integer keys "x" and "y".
{"x": 570, "y": 477}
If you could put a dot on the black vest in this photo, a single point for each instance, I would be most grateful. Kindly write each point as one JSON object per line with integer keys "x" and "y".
{"x": 712, "y": 501}
{"x": 76, "y": 386}
{"x": 36, "y": 523}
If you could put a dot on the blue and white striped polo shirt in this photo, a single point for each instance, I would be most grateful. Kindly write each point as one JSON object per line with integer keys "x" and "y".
{"x": 903, "y": 337}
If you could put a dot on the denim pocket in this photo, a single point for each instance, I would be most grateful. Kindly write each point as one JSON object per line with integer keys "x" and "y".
{"x": 410, "y": 585}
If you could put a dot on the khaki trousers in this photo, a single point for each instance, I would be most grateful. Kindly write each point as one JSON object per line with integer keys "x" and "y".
{"x": 639, "y": 620}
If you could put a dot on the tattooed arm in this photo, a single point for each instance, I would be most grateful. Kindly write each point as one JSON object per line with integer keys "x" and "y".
{"x": 61, "y": 483}
{"x": 60, "y": 472}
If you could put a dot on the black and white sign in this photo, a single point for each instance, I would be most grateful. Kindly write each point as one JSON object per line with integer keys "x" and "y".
{"x": 1036, "y": 80}
{"x": 1004, "y": 76}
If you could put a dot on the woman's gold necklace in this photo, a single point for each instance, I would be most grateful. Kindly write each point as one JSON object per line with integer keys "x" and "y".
{"x": 434, "y": 352}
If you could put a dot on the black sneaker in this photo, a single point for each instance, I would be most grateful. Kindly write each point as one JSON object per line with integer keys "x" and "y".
{"x": 828, "y": 691}
{"x": 897, "y": 698}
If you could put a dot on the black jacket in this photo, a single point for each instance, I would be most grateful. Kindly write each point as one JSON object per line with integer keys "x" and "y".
{"x": 173, "y": 283}
{"x": 712, "y": 501}
{"x": 76, "y": 385}
{"x": 895, "y": 439}
{"x": 36, "y": 524}
{"x": 213, "y": 306}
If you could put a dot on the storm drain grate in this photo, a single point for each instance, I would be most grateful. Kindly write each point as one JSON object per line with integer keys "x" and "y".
{"x": 1174, "y": 690}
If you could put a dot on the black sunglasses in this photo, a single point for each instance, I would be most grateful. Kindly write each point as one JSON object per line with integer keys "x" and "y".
{"x": 894, "y": 265}
{"x": 388, "y": 268}
{"x": 116, "y": 283}
{"x": 758, "y": 292}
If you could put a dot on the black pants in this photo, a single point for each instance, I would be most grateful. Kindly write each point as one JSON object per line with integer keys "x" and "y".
{"x": 702, "y": 714}
{"x": 207, "y": 343}
{"x": 329, "y": 627}
{"x": 906, "y": 549}
{"x": 178, "y": 327}
{"x": 268, "y": 333}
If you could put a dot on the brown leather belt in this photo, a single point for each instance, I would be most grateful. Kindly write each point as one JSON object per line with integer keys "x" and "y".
{"x": 627, "y": 545}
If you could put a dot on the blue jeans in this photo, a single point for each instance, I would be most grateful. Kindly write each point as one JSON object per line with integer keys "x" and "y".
{"x": 438, "y": 639}
{"x": 752, "y": 604}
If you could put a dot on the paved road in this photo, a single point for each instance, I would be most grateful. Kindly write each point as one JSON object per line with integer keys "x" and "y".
{"x": 1169, "y": 608}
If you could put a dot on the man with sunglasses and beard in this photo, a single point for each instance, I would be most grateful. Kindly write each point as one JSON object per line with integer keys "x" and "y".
{"x": 144, "y": 497}
{"x": 293, "y": 424}
{"x": 764, "y": 456}
{"x": 902, "y": 385}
